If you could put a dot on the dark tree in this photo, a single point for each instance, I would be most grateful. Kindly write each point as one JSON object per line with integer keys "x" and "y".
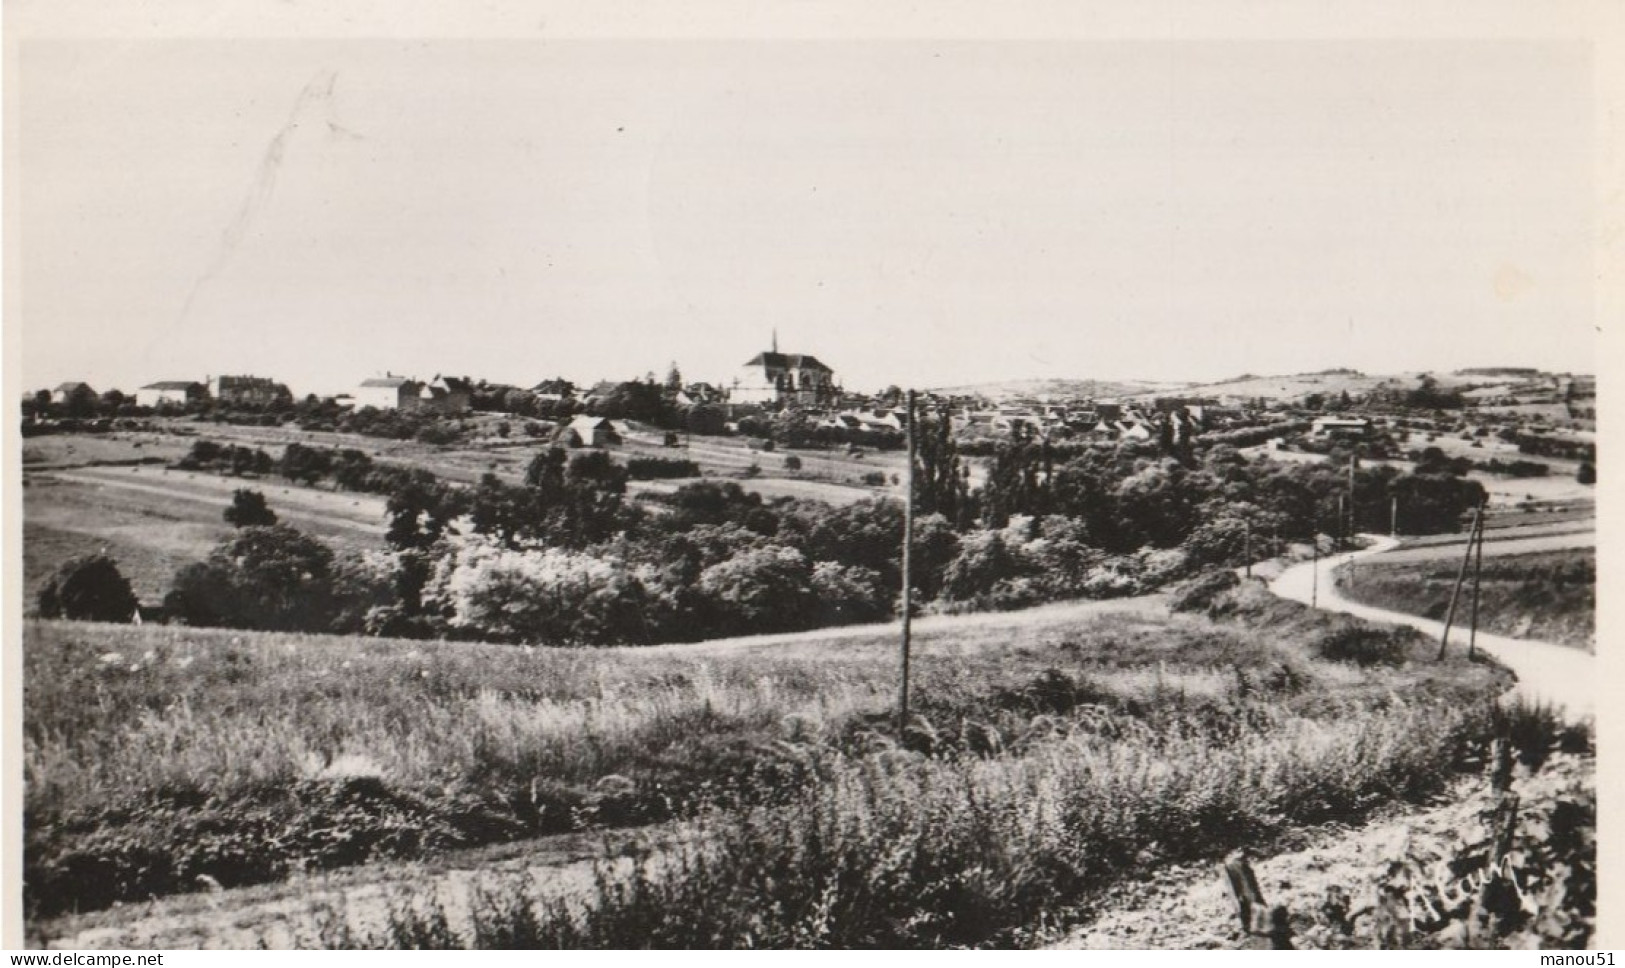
{"x": 88, "y": 589}
{"x": 1434, "y": 503}
{"x": 940, "y": 486}
{"x": 249, "y": 510}
{"x": 1587, "y": 474}
{"x": 791, "y": 428}
{"x": 502, "y": 511}
{"x": 303, "y": 464}
{"x": 705, "y": 420}
{"x": 1018, "y": 479}
{"x": 272, "y": 578}
{"x": 419, "y": 512}
{"x": 81, "y": 402}
{"x": 546, "y": 470}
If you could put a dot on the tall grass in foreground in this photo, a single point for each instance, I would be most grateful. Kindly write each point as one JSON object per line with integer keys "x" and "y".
{"x": 902, "y": 851}
{"x": 155, "y": 757}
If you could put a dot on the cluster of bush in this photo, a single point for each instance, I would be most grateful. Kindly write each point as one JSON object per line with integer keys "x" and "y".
{"x": 1560, "y": 447}
{"x": 232, "y": 459}
{"x": 1432, "y": 460}
{"x": 348, "y": 469}
{"x": 46, "y": 426}
{"x": 425, "y": 426}
{"x": 653, "y": 468}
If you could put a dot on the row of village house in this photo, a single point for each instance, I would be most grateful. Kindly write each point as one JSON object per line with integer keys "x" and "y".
{"x": 771, "y": 377}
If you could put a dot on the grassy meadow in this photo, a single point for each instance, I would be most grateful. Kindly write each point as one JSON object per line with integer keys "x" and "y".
{"x": 157, "y": 758}
{"x": 154, "y": 522}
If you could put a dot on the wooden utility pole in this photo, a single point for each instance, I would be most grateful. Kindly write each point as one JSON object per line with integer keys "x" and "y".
{"x": 908, "y": 584}
{"x": 1247, "y": 553}
{"x": 1353, "y": 460}
{"x": 1341, "y": 526}
{"x": 1393, "y": 517}
{"x": 1314, "y": 575}
{"x": 1461, "y": 576}
{"x": 1478, "y": 568}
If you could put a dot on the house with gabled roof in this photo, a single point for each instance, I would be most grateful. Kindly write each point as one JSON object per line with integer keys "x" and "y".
{"x": 388, "y": 392}
{"x": 171, "y": 393}
{"x": 774, "y": 377}
{"x": 249, "y": 391}
{"x": 585, "y": 431}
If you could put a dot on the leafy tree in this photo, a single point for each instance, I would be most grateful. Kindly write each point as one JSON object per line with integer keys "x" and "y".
{"x": 503, "y": 512}
{"x": 1428, "y": 396}
{"x": 705, "y": 420}
{"x": 273, "y": 578}
{"x": 88, "y": 589}
{"x": 305, "y": 465}
{"x": 940, "y": 482}
{"x": 1587, "y": 474}
{"x": 81, "y": 403}
{"x": 1434, "y": 503}
{"x": 636, "y": 400}
{"x": 420, "y": 512}
{"x": 546, "y": 470}
{"x": 351, "y": 469}
{"x": 848, "y": 593}
{"x": 1019, "y": 479}
{"x": 764, "y": 590}
{"x": 248, "y": 509}
{"x": 984, "y": 561}
{"x": 791, "y": 428}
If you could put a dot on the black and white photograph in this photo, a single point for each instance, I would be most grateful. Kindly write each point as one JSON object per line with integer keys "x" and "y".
{"x": 784, "y": 477}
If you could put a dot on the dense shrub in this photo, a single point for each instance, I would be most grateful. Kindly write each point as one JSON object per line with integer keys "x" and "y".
{"x": 206, "y": 455}
{"x": 248, "y": 509}
{"x": 550, "y": 597}
{"x": 1365, "y": 646}
{"x": 1200, "y": 594}
{"x": 88, "y": 589}
{"x": 272, "y": 578}
{"x": 651, "y": 468}
{"x": 767, "y": 589}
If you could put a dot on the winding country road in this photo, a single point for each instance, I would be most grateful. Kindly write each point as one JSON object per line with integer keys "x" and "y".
{"x": 1546, "y": 672}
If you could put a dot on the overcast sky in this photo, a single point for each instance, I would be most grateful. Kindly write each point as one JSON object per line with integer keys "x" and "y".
{"x": 919, "y": 213}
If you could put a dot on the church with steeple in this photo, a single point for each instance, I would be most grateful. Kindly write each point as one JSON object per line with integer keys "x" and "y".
{"x": 774, "y": 377}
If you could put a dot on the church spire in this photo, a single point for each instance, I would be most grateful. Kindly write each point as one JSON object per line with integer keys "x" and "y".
{"x": 775, "y": 339}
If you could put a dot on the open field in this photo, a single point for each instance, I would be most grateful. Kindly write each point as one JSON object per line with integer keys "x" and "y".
{"x": 1560, "y": 487}
{"x": 834, "y": 474}
{"x": 246, "y": 756}
{"x": 1547, "y": 595}
{"x": 153, "y": 521}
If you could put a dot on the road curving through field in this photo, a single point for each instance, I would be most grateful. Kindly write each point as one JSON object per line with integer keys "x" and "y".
{"x": 1546, "y": 672}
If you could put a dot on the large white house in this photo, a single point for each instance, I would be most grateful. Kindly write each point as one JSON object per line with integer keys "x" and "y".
{"x": 170, "y": 393}
{"x": 774, "y": 377}
{"x": 388, "y": 392}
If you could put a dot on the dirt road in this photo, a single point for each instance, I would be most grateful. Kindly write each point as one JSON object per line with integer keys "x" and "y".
{"x": 1546, "y": 671}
